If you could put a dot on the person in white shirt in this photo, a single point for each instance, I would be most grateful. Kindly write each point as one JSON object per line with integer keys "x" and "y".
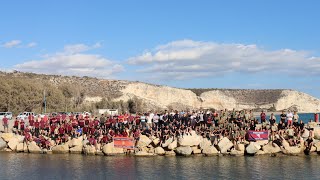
{"x": 149, "y": 118}
{"x": 143, "y": 120}
{"x": 201, "y": 120}
{"x": 156, "y": 119}
{"x": 289, "y": 118}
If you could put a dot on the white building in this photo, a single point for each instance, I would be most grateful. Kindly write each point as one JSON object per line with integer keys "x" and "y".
{"x": 111, "y": 112}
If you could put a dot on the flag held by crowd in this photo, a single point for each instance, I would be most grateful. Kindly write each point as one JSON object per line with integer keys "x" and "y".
{"x": 257, "y": 135}
{"x": 123, "y": 142}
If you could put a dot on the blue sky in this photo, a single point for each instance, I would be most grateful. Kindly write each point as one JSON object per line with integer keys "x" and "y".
{"x": 196, "y": 44}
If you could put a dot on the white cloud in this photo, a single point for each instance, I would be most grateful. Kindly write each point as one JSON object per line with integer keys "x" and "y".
{"x": 78, "y": 48}
{"x": 11, "y": 44}
{"x": 186, "y": 58}
{"x": 73, "y": 61}
{"x": 31, "y": 45}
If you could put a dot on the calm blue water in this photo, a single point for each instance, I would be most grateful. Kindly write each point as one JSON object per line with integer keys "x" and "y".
{"x": 68, "y": 166}
{"x": 303, "y": 116}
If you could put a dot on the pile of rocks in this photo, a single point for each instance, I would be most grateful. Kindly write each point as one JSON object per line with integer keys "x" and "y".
{"x": 187, "y": 145}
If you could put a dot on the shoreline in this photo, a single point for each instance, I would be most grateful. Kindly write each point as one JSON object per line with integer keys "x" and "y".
{"x": 189, "y": 145}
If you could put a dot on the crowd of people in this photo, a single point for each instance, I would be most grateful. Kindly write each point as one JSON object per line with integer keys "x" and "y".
{"x": 164, "y": 125}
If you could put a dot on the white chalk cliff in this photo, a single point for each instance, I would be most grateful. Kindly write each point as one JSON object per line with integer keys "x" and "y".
{"x": 164, "y": 97}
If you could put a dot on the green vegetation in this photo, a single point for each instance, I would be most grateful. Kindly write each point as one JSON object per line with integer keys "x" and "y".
{"x": 132, "y": 105}
{"x": 18, "y": 94}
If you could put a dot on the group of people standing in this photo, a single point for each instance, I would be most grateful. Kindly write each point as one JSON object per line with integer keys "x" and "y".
{"x": 56, "y": 129}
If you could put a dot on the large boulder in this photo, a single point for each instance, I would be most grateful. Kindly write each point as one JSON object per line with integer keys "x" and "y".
{"x": 316, "y": 132}
{"x": 305, "y": 134}
{"x": 98, "y": 147}
{"x": 52, "y": 143}
{"x": 85, "y": 142}
{"x": 204, "y": 143}
{"x": 20, "y": 147}
{"x": 89, "y": 150}
{"x": 144, "y": 141}
{"x": 240, "y": 147}
{"x": 12, "y": 144}
{"x": 34, "y": 148}
{"x": 317, "y": 145}
{"x": 189, "y": 140}
{"x": 75, "y": 142}
{"x": 173, "y": 145}
{"x": 7, "y": 136}
{"x": 6, "y": 150}
{"x": 76, "y": 149}
{"x": 159, "y": 151}
{"x": 25, "y": 148}
{"x": 156, "y": 141}
{"x": 60, "y": 149}
{"x": 184, "y": 150}
{"x": 236, "y": 153}
{"x": 291, "y": 150}
{"x": 3, "y": 144}
{"x": 20, "y": 138}
{"x": 167, "y": 142}
{"x": 99, "y": 153}
{"x": 224, "y": 145}
{"x": 46, "y": 151}
{"x": 170, "y": 153}
{"x": 151, "y": 150}
{"x": 262, "y": 142}
{"x": 143, "y": 153}
{"x": 260, "y": 152}
{"x": 196, "y": 151}
{"x": 252, "y": 148}
{"x": 109, "y": 149}
{"x": 285, "y": 144}
{"x": 210, "y": 151}
{"x": 271, "y": 148}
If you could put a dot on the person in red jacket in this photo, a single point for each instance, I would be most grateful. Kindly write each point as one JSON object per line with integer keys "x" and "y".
{"x": 37, "y": 128}
{"x": 21, "y": 126}
{"x": 81, "y": 123}
{"x": 16, "y": 123}
{"x": 74, "y": 123}
{"x": 5, "y": 123}
{"x": 263, "y": 116}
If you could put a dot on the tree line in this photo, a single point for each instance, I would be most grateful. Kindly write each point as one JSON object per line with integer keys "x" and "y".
{"x": 19, "y": 94}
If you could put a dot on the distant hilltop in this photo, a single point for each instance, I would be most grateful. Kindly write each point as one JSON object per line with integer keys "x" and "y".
{"x": 71, "y": 93}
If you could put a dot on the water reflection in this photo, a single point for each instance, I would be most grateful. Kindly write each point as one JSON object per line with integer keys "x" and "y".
{"x": 35, "y": 166}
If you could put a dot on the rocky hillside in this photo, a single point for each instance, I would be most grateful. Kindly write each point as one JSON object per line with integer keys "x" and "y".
{"x": 164, "y": 97}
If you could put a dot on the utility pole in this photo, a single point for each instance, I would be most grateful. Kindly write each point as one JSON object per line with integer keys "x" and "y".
{"x": 44, "y": 101}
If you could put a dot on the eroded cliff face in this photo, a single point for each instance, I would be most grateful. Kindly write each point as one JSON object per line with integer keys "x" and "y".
{"x": 302, "y": 101}
{"x": 164, "y": 97}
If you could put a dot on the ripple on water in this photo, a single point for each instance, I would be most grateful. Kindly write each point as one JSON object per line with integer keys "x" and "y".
{"x": 67, "y": 166}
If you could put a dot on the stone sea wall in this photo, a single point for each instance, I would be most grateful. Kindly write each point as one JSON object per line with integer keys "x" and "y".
{"x": 186, "y": 146}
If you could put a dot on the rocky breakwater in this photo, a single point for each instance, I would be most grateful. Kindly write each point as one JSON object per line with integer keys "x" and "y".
{"x": 187, "y": 145}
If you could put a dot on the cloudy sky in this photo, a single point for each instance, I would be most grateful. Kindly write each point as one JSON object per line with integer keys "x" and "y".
{"x": 189, "y": 44}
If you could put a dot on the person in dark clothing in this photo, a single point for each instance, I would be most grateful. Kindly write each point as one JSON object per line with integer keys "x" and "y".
{"x": 283, "y": 117}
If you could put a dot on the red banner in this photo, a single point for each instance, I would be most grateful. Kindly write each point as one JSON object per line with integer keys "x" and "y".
{"x": 257, "y": 135}
{"x": 123, "y": 142}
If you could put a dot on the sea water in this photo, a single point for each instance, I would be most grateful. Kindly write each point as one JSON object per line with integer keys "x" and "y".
{"x": 68, "y": 166}
{"x": 305, "y": 117}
